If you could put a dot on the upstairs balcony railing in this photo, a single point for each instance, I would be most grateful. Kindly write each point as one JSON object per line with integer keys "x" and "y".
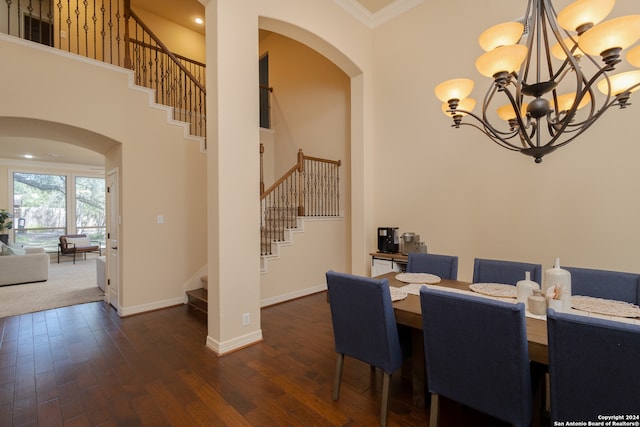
{"x": 309, "y": 188}
{"x": 109, "y": 31}
{"x": 177, "y": 81}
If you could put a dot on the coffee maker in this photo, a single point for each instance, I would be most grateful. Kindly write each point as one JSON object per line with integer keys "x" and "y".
{"x": 388, "y": 240}
{"x": 409, "y": 243}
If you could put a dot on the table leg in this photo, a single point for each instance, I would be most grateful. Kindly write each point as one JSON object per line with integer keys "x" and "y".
{"x": 539, "y": 382}
{"x": 418, "y": 379}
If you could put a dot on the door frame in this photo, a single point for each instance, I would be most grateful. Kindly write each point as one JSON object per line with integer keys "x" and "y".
{"x": 113, "y": 293}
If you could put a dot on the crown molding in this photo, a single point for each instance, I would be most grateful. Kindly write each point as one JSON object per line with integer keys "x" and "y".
{"x": 372, "y": 20}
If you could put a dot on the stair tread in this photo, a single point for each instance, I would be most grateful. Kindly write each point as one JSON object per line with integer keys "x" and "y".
{"x": 197, "y": 298}
{"x": 199, "y": 294}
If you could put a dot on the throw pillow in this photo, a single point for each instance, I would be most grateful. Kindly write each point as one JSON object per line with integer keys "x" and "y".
{"x": 33, "y": 250}
{"x": 6, "y": 249}
{"x": 79, "y": 241}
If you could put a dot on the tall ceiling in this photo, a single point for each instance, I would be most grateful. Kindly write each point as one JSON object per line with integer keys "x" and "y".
{"x": 190, "y": 9}
{"x": 15, "y": 148}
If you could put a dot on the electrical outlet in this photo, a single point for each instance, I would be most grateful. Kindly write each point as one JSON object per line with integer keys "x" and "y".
{"x": 246, "y": 319}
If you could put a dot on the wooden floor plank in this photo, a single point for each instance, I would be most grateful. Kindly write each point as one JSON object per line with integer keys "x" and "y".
{"x": 85, "y": 366}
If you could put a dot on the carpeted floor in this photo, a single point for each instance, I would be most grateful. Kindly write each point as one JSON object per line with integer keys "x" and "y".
{"x": 68, "y": 284}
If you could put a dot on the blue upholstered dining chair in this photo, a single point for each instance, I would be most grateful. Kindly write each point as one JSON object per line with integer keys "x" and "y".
{"x": 593, "y": 367}
{"x": 444, "y": 266}
{"x": 606, "y": 284}
{"x": 364, "y": 327}
{"x": 507, "y": 272}
{"x": 476, "y": 353}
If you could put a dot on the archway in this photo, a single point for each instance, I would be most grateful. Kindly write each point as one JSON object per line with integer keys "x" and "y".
{"x": 46, "y": 140}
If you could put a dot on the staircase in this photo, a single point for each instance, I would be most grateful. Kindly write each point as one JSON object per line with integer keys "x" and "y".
{"x": 276, "y": 223}
{"x": 286, "y": 239}
{"x": 111, "y": 32}
{"x": 198, "y": 299}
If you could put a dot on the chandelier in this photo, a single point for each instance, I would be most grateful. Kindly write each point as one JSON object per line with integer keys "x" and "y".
{"x": 544, "y": 73}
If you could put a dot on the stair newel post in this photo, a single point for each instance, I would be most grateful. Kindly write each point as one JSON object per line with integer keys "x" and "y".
{"x": 127, "y": 53}
{"x": 300, "y": 182}
{"x": 261, "y": 168}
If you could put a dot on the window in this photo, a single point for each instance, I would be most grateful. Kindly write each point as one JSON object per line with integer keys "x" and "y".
{"x": 265, "y": 113}
{"x": 90, "y": 197}
{"x": 41, "y": 208}
{"x": 37, "y": 30}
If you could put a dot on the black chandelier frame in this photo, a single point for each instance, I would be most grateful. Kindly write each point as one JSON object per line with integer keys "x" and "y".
{"x": 525, "y": 130}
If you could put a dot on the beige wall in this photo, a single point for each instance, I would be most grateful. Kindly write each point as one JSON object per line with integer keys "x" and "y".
{"x": 310, "y": 111}
{"x": 300, "y": 269}
{"x": 232, "y": 44}
{"x": 466, "y": 196}
{"x": 161, "y": 172}
{"x": 309, "y": 103}
{"x": 178, "y": 39}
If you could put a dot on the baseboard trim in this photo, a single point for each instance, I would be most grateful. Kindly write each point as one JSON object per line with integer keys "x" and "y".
{"x": 222, "y": 348}
{"x": 137, "y": 309}
{"x": 292, "y": 295}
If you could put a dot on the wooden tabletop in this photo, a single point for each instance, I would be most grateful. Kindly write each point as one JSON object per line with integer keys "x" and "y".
{"x": 408, "y": 312}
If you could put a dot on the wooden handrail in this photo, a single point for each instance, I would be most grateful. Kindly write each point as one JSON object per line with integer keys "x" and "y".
{"x": 291, "y": 171}
{"x": 164, "y": 48}
{"x": 310, "y": 187}
{"x": 318, "y": 159}
{"x": 298, "y": 167}
{"x": 177, "y": 55}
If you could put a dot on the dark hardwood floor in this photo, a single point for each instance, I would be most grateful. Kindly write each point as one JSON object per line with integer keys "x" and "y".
{"x": 85, "y": 366}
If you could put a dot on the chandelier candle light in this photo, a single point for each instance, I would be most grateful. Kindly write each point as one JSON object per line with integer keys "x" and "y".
{"x": 543, "y": 91}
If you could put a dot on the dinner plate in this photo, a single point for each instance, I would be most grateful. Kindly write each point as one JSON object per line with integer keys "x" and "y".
{"x": 397, "y": 294}
{"x": 604, "y": 306}
{"x": 426, "y": 278}
{"x": 494, "y": 289}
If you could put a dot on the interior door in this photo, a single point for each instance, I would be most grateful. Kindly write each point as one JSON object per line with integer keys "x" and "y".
{"x": 113, "y": 229}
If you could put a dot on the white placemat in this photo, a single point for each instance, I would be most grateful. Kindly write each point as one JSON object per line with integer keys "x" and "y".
{"x": 427, "y": 278}
{"x": 604, "y": 306}
{"x": 397, "y": 294}
{"x": 494, "y": 289}
{"x": 412, "y": 288}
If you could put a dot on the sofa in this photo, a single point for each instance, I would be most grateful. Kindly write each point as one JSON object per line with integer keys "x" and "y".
{"x": 32, "y": 265}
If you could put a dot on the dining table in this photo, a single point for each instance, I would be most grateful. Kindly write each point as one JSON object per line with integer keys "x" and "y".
{"x": 408, "y": 313}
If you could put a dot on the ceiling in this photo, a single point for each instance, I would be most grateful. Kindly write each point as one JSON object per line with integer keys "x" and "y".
{"x": 15, "y": 148}
{"x": 190, "y": 9}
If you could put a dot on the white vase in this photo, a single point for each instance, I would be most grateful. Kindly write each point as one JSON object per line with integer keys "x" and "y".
{"x": 559, "y": 277}
{"x": 524, "y": 288}
{"x": 537, "y": 303}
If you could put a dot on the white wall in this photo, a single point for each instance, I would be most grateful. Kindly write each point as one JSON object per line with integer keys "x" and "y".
{"x": 464, "y": 195}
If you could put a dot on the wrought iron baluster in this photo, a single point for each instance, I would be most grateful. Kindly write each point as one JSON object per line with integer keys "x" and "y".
{"x": 118, "y": 38}
{"x": 103, "y": 32}
{"x": 94, "y": 18}
{"x": 77, "y": 13}
{"x": 85, "y": 27}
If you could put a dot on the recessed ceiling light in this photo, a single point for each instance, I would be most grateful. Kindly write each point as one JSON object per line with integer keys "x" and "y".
{"x": 28, "y": 156}
{"x": 199, "y": 21}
